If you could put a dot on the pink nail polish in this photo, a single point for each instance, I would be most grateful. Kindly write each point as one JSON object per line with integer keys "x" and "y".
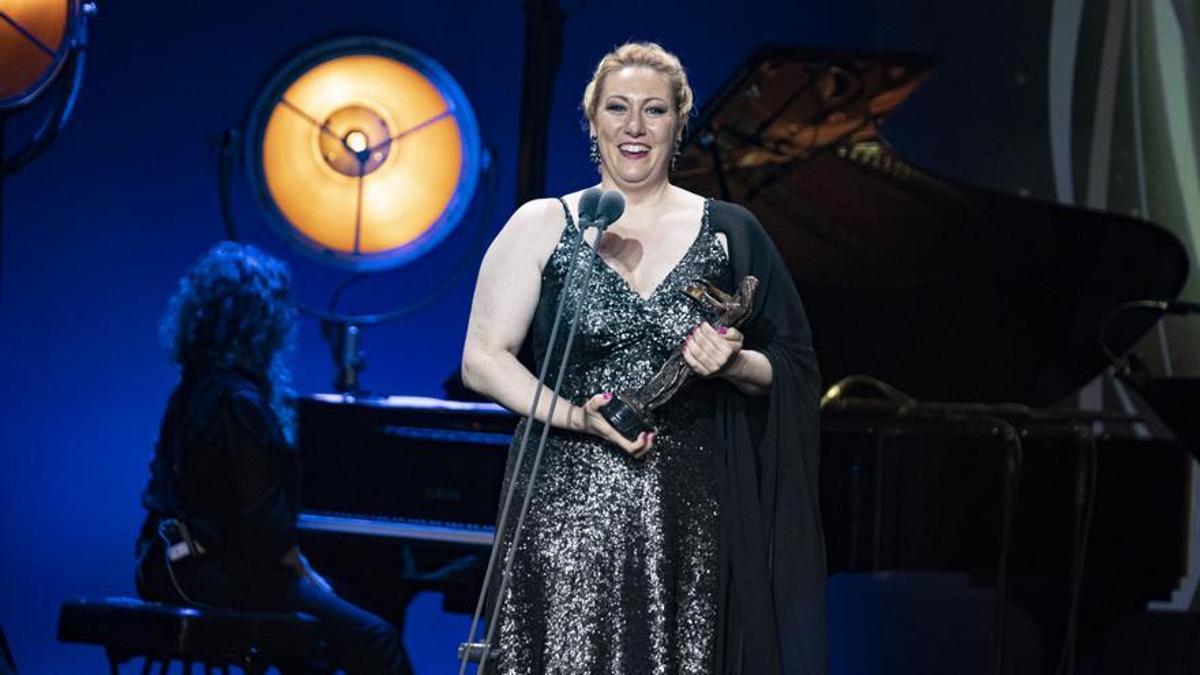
{"x": 722, "y": 330}
{"x": 607, "y": 395}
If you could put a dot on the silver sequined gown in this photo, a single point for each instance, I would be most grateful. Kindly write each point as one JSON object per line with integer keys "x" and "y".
{"x": 616, "y": 571}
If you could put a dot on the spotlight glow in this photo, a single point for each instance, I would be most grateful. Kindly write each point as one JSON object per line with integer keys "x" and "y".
{"x": 367, "y": 159}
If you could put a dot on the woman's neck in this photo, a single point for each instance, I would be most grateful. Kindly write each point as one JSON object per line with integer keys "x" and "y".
{"x": 639, "y": 197}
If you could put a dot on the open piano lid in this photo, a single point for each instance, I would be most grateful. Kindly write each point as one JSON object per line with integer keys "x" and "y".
{"x": 947, "y": 291}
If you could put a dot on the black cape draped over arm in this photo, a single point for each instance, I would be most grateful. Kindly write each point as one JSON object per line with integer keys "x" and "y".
{"x": 772, "y": 601}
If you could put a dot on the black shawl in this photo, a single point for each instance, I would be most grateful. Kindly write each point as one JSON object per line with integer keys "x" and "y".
{"x": 772, "y": 600}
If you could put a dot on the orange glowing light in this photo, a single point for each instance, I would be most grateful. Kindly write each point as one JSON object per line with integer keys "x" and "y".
{"x": 31, "y": 45}
{"x": 362, "y": 154}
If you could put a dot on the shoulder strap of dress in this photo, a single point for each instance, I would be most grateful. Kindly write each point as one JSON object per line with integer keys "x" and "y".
{"x": 567, "y": 211}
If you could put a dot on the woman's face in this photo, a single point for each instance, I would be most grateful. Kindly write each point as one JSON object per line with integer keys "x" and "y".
{"x": 635, "y": 126}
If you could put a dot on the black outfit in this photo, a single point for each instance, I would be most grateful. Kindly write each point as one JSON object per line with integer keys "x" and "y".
{"x": 772, "y": 608}
{"x": 224, "y": 469}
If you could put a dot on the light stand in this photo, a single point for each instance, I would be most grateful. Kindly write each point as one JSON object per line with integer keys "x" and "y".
{"x": 347, "y": 357}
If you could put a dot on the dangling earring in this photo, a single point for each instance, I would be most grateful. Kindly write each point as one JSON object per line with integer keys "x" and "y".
{"x": 678, "y": 152}
{"x": 594, "y": 151}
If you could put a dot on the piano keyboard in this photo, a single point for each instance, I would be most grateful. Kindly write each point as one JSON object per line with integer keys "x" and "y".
{"x": 394, "y": 528}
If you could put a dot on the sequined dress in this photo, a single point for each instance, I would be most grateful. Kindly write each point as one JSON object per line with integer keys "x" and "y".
{"x": 616, "y": 571}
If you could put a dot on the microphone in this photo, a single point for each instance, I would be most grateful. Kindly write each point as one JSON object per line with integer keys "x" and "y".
{"x": 598, "y": 210}
{"x": 612, "y": 205}
{"x": 588, "y": 203}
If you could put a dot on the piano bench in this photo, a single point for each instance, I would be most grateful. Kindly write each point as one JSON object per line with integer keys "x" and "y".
{"x": 161, "y": 634}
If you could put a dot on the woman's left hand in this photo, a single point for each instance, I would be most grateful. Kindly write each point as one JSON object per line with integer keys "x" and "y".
{"x": 710, "y": 351}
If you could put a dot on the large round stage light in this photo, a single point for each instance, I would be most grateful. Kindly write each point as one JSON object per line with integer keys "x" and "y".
{"x": 34, "y": 44}
{"x": 364, "y": 152}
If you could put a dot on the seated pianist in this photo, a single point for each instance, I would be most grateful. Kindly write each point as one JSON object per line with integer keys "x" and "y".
{"x": 223, "y": 493}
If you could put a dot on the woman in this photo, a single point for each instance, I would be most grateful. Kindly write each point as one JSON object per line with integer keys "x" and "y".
{"x": 695, "y": 548}
{"x": 223, "y": 493}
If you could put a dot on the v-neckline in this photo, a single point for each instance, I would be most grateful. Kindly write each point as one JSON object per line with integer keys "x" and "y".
{"x": 671, "y": 272}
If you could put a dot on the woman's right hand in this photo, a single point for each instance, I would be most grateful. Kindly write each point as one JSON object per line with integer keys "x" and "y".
{"x": 595, "y": 424}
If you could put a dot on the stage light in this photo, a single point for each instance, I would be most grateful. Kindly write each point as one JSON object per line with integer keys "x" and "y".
{"x": 33, "y": 40}
{"x": 39, "y": 40}
{"x": 363, "y": 152}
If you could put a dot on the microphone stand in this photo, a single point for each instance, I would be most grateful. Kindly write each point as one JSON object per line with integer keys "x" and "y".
{"x": 481, "y": 651}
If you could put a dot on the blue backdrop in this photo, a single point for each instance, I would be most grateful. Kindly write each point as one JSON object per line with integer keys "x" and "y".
{"x": 97, "y": 232}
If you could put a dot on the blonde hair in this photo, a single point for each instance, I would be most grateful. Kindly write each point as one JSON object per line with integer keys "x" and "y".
{"x": 650, "y": 55}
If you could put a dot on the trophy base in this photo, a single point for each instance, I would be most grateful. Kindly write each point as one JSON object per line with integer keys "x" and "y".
{"x": 625, "y": 418}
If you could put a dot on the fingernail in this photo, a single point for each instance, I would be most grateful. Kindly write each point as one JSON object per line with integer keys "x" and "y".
{"x": 607, "y": 395}
{"x": 722, "y": 330}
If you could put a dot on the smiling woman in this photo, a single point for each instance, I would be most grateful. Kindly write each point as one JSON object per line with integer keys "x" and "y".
{"x": 651, "y": 555}
{"x": 643, "y": 89}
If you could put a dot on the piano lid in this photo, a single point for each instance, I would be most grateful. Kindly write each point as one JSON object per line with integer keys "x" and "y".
{"x": 947, "y": 291}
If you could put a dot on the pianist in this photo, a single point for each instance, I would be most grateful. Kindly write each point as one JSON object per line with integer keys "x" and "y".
{"x": 223, "y": 491}
{"x": 697, "y": 547}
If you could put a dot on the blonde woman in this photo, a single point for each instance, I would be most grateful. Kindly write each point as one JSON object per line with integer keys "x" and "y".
{"x": 695, "y": 548}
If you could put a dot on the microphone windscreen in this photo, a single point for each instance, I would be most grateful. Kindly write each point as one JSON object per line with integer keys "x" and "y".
{"x": 612, "y": 205}
{"x": 588, "y": 201}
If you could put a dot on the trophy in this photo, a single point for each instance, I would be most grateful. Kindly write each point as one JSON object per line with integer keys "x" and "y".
{"x": 631, "y": 412}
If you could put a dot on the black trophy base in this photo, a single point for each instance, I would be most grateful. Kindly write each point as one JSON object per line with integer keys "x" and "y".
{"x": 625, "y": 418}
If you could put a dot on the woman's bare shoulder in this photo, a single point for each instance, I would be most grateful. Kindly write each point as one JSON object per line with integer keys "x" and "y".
{"x": 532, "y": 231}
{"x": 536, "y": 220}
{"x": 538, "y": 213}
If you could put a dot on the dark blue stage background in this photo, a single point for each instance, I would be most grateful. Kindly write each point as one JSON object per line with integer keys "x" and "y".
{"x": 98, "y": 230}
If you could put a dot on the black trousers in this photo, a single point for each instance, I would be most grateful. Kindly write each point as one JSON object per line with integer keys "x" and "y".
{"x": 358, "y": 641}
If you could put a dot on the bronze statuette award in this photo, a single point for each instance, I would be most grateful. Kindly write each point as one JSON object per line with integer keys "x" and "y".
{"x": 631, "y": 412}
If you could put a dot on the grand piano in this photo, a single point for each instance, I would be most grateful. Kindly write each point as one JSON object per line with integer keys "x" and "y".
{"x": 946, "y": 292}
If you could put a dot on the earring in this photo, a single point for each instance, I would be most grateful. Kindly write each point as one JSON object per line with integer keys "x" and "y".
{"x": 594, "y": 151}
{"x": 678, "y": 152}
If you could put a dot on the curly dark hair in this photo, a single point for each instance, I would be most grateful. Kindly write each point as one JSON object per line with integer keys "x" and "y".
{"x": 233, "y": 310}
